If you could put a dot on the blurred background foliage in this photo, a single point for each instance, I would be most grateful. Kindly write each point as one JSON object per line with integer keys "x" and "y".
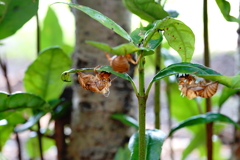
{"x": 57, "y": 27}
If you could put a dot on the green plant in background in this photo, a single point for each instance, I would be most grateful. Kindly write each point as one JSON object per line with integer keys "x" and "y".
{"x": 41, "y": 80}
{"x": 181, "y": 38}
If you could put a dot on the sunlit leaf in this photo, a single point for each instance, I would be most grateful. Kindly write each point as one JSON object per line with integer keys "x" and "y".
{"x": 5, "y": 133}
{"x": 179, "y": 36}
{"x": 202, "y": 119}
{"x": 122, "y": 49}
{"x": 16, "y": 117}
{"x": 104, "y": 20}
{"x": 32, "y": 146}
{"x": 51, "y": 34}
{"x": 10, "y": 103}
{"x": 125, "y": 119}
{"x": 148, "y": 10}
{"x": 14, "y": 14}
{"x": 43, "y": 75}
{"x": 225, "y": 8}
{"x": 154, "y": 141}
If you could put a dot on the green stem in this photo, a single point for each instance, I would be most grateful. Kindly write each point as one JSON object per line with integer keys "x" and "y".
{"x": 39, "y": 134}
{"x": 157, "y": 91}
{"x": 209, "y": 126}
{"x": 169, "y": 100}
{"x": 142, "y": 110}
{"x": 38, "y": 34}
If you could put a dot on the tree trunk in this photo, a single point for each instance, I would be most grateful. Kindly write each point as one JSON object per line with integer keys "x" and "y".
{"x": 95, "y": 136}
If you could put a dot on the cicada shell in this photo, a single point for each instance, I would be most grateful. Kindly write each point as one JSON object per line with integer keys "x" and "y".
{"x": 191, "y": 89}
{"x": 120, "y": 63}
{"x": 99, "y": 83}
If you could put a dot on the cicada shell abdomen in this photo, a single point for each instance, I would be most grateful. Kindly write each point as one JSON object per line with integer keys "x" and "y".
{"x": 209, "y": 90}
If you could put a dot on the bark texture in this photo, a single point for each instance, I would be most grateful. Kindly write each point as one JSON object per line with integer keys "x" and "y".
{"x": 95, "y": 136}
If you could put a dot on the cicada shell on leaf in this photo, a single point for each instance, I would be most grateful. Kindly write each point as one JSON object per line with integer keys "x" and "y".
{"x": 99, "y": 83}
{"x": 191, "y": 89}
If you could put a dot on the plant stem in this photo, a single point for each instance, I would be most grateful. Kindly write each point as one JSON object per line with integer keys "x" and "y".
{"x": 142, "y": 110}
{"x": 40, "y": 141}
{"x": 38, "y": 33}
{"x": 3, "y": 65}
{"x": 157, "y": 91}
{"x": 39, "y": 134}
{"x": 207, "y": 63}
{"x": 19, "y": 146}
{"x": 169, "y": 99}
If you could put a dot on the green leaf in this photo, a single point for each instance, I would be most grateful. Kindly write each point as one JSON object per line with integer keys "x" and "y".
{"x": 31, "y": 121}
{"x": 140, "y": 33}
{"x": 122, "y": 49}
{"x": 51, "y": 34}
{"x": 154, "y": 141}
{"x": 225, "y": 94}
{"x": 179, "y": 36}
{"x": 200, "y": 71}
{"x": 42, "y": 76}
{"x": 17, "y": 117}
{"x": 204, "y": 118}
{"x": 104, "y": 20}
{"x": 14, "y": 14}
{"x": 184, "y": 67}
{"x": 10, "y": 103}
{"x": 148, "y": 10}
{"x": 5, "y": 133}
{"x": 125, "y": 119}
{"x": 231, "y": 82}
{"x": 225, "y": 8}
{"x": 32, "y": 146}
